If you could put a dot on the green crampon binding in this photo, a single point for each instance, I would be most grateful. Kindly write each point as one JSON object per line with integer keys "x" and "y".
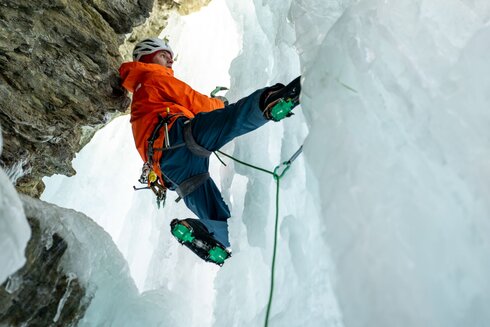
{"x": 182, "y": 233}
{"x": 209, "y": 251}
{"x": 282, "y": 109}
{"x": 218, "y": 255}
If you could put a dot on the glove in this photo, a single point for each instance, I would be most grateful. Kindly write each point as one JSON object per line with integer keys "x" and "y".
{"x": 222, "y": 98}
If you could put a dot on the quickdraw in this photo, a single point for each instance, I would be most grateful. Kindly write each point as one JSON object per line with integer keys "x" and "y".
{"x": 151, "y": 179}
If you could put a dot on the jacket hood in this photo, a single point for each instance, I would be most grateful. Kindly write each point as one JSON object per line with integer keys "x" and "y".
{"x": 133, "y": 73}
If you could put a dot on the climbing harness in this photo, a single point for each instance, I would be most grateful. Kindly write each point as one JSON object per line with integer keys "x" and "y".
{"x": 278, "y": 172}
{"x": 151, "y": 179}
{"x": 191, "y": 142}
{"x": 148, "y": 175}
{"x": 192, "y": 183}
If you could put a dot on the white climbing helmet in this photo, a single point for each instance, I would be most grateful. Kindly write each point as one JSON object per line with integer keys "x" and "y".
{"x": 149, "y": 46}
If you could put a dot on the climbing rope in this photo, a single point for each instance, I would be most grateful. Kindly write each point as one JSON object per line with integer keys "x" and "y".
{"x": 279, "y": 171}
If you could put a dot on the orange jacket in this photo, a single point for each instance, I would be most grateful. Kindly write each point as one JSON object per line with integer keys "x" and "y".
{"x": 155, "y": 89}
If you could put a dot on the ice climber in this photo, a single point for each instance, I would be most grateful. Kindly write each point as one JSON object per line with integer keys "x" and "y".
{"x": 175, "y": 129}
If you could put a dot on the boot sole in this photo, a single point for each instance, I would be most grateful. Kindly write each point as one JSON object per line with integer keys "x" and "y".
{"x": 198, "y": 239}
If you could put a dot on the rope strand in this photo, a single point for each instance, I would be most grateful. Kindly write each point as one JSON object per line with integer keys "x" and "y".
{"x": 246, "y": 164}
{"x": 273, "y": 266}
{"x": 277, "y": 178}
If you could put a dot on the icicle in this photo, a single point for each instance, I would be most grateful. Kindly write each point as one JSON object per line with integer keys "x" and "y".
{"x": 69, "y": 278}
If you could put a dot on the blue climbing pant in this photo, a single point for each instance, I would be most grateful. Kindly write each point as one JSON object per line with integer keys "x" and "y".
{"x": 211, "y": 130}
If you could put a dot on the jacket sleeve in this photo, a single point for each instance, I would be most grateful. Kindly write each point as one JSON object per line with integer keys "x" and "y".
{"x": 182, "y": 94}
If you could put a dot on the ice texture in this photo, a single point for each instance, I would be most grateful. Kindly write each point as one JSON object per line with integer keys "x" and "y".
{"x": 93, "y": 259}
{"x": 396, "y": 96}
{"x": 14, "y": 229}
{"x": 384, "y": 217}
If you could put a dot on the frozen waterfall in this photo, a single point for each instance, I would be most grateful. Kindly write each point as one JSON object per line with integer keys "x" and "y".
{"x": 383, "y": 219}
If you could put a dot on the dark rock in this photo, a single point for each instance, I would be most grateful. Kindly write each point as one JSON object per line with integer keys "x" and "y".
{"x": 123, "y": 15}
{"x": 41, "y": 293}
{"x": 58, "y": 81}
{"x": 59, "y": 84}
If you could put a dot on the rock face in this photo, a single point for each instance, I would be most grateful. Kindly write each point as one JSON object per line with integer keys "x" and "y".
{"x": 58, "y": 80}
{"x": 58, "y": 85}
{"x": 41, "y": 294}
{"x": 58, "y": 77}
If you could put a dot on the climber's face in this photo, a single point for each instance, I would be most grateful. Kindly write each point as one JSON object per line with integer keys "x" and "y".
{"x": 163, "y": 58}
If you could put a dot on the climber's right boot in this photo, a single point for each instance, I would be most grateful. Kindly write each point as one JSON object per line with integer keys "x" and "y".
{"x": 278, "y": 101}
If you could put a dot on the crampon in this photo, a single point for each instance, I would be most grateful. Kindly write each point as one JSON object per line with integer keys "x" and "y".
{"x": 195, "y": 236}
{"x": 280, "y": 103}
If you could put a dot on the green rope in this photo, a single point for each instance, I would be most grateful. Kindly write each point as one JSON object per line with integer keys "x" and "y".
{"x": 246, "y": 164}
{"x": 277, "y": 177}
{"x": 273, "y": 266}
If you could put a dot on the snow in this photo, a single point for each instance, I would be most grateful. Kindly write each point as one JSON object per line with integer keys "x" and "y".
{"x": 14, "y": 229}
{"x": 384, "y": 217}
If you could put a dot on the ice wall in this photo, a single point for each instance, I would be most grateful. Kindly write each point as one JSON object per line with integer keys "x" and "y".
{"x": 14, "y": 229}
{"x": 303, "y": 294}
{"x": 396, "y": 97}
{"x": 93, "y": 259}
{"x": 383, "y": 219}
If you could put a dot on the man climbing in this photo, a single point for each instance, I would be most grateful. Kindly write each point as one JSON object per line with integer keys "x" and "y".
{"x": 176, "y": 128}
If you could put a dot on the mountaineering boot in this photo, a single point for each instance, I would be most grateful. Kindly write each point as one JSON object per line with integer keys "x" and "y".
{"x": 277, "y": 102}
{"x": 195, "y": 235}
